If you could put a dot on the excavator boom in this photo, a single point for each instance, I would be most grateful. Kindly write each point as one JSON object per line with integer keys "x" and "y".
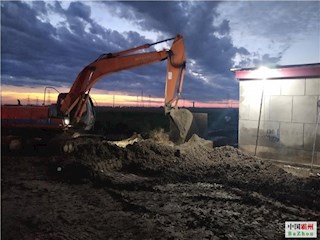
{"x": 75, "y": 101}
{"x": 124, "y": 60}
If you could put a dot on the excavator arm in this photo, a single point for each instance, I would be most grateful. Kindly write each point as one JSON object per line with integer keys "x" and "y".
{"x": 74, "y": 102}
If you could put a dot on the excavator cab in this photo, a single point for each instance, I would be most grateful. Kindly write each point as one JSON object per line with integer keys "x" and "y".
{"x": 87, "y": 118}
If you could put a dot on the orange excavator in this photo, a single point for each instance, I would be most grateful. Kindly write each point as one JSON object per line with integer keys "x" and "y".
{"x": 74, "y": 111}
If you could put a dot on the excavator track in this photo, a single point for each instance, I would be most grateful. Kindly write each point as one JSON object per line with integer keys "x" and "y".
{"x": 69, "y": 143}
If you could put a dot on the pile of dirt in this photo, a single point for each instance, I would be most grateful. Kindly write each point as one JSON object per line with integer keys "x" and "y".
{"x": 152, "y": 189}
{"x": 160, "y": 136}
{"x": 193, "y": 161}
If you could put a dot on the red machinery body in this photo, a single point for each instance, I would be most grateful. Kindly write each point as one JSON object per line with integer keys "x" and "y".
{"x": 19, "y": 116}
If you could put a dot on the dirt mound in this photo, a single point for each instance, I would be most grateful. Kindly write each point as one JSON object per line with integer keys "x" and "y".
{"x": 160, "y": 136}
{"x": 152, "y": 190}
{"x": 193, "y": 161}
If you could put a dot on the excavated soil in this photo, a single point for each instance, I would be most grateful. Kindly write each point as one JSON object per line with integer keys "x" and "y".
{"x": 152, "y": 190}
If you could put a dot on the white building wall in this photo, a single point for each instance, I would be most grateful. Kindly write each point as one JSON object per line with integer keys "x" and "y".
{"x": 288, "y": 118}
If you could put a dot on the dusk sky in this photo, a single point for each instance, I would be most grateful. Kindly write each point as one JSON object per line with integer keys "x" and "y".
{"x": 48, "y": 43}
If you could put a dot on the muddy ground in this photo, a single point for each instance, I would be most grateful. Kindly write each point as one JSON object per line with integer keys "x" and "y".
{"x": 151, "y": 190}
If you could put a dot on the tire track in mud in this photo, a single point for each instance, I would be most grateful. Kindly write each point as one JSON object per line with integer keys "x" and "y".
{"x": 207, "y": 217}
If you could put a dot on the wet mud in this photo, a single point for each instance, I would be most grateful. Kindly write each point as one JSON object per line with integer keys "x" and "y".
{"x": 152, "y": 189}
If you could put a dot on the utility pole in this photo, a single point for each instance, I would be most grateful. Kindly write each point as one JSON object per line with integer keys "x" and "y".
{"x": 142, "y": 98}
{"x": 49, "y": 97}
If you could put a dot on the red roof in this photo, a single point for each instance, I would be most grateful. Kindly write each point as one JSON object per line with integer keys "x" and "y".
{"x": 278, "y": 72}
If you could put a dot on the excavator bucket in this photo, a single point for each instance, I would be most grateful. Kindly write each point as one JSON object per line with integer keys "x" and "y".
{"x": 181, "y": 122}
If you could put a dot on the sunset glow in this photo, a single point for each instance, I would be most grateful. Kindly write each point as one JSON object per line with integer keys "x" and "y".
{"x": 27, "y": 95}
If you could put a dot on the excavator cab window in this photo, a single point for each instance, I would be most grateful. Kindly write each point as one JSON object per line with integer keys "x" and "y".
{"x": 53, "y": 111}
{"x": 61, "y": 96}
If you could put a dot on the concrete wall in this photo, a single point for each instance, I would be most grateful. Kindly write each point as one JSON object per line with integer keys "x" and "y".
{"x": 288, "y": 118}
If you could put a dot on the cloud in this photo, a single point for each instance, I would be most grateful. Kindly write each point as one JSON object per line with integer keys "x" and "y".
{"x": 35, "y": 48}
{"x": 50, "y": 42}
{"x": 208, "y": 45}
{"x": 271, "y": 28}
{"x": 78, "y": 9}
